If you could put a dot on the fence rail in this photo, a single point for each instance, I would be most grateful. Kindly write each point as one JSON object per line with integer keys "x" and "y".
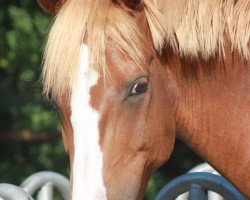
{"x": 199, "y": 185}
{"x": 41, "y": 182}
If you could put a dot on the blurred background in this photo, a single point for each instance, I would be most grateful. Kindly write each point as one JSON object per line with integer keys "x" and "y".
{"x": 30, "y": 139}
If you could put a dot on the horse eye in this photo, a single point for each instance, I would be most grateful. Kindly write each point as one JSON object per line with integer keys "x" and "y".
{"x": 140, "y": 86}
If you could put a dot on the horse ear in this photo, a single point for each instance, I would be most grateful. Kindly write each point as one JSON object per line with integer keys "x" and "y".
{"x": 132, "y": 4}
{"x": 51, "y": 6}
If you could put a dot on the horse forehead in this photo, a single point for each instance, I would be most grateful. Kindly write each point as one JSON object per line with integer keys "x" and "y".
{"x": 121, "y": 67}
{"x": 90, "y": 76}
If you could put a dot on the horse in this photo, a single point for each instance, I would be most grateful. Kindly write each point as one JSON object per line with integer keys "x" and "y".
{"x": 130, "y": 76}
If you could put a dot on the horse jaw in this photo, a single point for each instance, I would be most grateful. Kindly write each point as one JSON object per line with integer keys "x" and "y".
{"x": 88, "y": 163}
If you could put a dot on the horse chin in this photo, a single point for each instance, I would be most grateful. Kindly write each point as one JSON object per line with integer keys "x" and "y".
{"x": 127, "y": 180}
{"x": 132, "y": 190}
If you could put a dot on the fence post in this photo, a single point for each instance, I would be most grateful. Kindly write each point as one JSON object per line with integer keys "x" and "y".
{"x": 46, "y": 192}
{"x": 37, "y": 180}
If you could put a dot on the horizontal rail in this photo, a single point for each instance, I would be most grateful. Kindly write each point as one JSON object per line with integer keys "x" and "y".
{"x": 206, "y": 181}
{"x": 12, "y": 192}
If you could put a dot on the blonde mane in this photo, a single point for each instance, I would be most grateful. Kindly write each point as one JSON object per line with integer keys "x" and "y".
{"x": 199, "y": 27}
{"x": 190, "y": 27}
{"x": 97, "y": 20}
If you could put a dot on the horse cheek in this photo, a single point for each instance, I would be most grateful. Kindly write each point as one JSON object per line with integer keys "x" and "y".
{"x": 161, "y": 131}
{"x": 161, "y": 120}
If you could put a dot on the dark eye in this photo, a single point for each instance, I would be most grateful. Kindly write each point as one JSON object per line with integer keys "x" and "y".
{"x": 140, "y": 86}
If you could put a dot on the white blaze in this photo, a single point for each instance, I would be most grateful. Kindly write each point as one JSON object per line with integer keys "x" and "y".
{"x": 87, "y": 167}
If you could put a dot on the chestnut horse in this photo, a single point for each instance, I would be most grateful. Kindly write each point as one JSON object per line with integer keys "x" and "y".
{"x": 128, "y": 76}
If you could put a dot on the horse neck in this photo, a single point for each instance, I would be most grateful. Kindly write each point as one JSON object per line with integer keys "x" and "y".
{"x": 213, "y": 116}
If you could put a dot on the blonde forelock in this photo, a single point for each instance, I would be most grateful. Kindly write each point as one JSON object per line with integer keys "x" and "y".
{"x": 97, "y": 20}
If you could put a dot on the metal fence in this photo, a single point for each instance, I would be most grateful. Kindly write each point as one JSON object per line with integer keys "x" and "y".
{"x": 201, "y": 183}
{"x": 42, "y": 182}
{"x": 198, "y": 184}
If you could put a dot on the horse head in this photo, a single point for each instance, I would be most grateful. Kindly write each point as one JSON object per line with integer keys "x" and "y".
{"x": 116, "y": 125}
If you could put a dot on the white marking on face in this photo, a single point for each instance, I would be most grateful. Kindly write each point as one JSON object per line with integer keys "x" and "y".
{"x": 87, "y": 167}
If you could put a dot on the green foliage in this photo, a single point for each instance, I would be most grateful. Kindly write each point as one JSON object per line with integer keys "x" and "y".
{"x": 23, "y": 28}
{"x": 22, "y": 34}
{"x": 156, "y": 182}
